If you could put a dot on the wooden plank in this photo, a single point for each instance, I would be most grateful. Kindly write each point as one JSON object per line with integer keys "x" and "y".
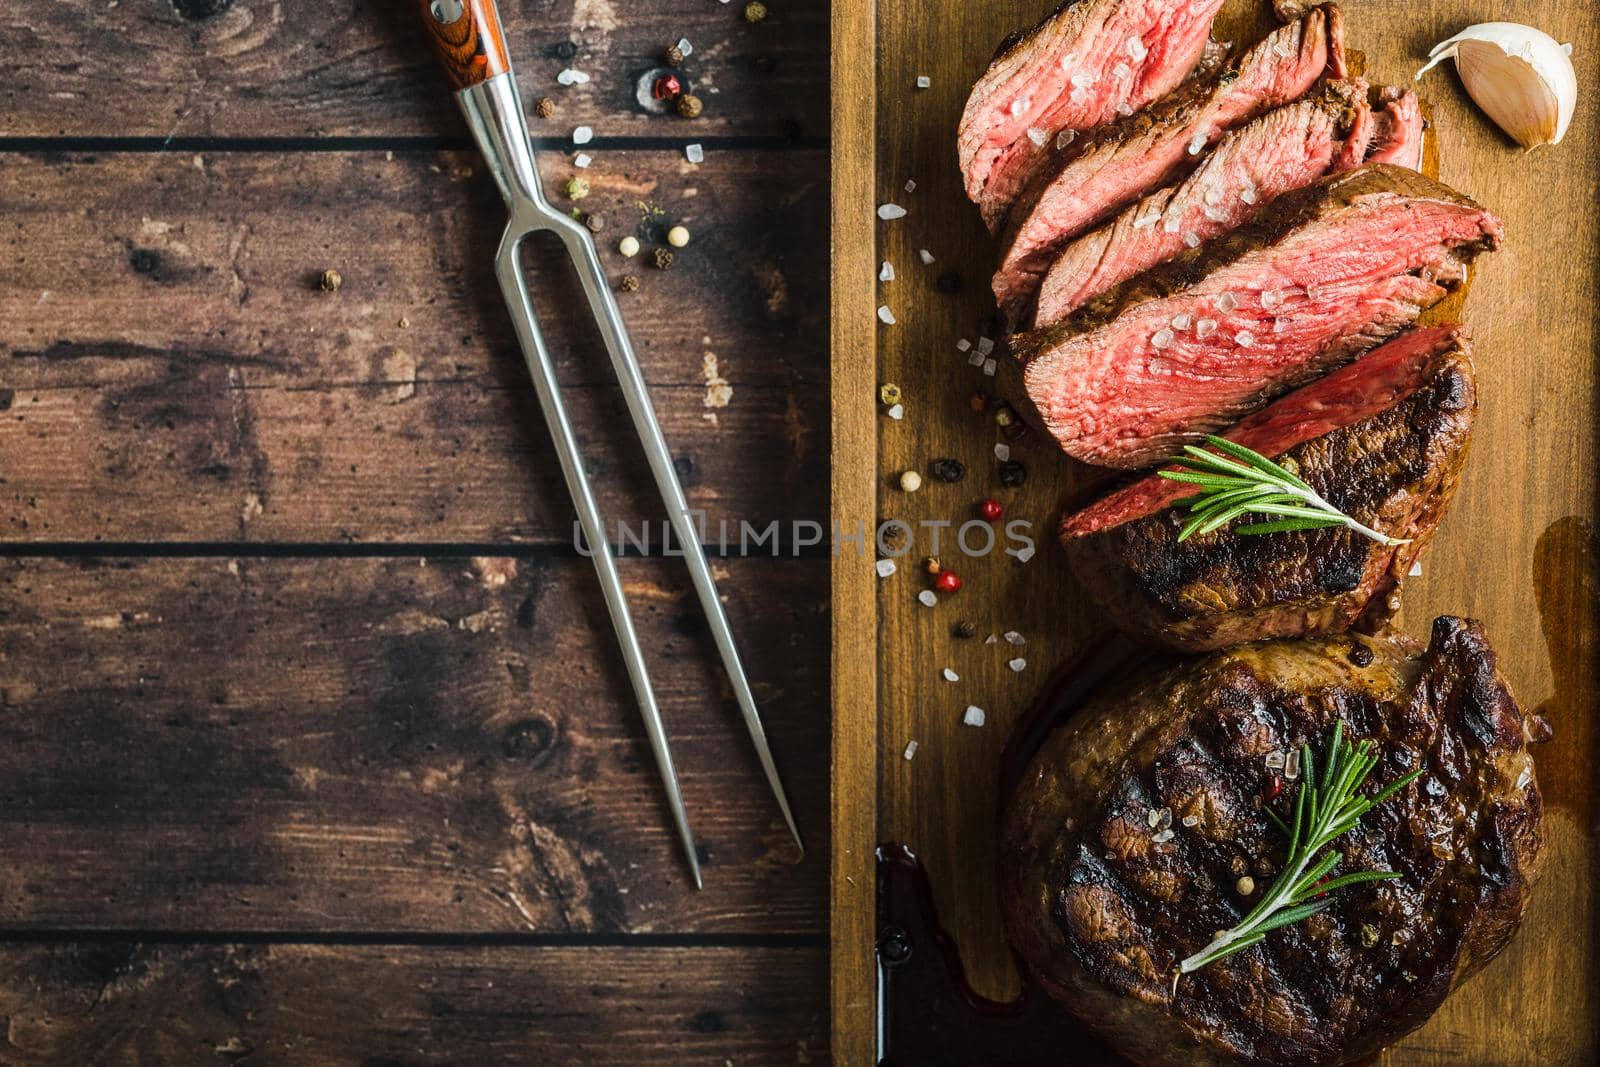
{"x": 855, "y": 669}
{"x": 1509, "y": 553}
{"x": 125, "y": 1003}
{"x": 397, "y": 745}
{"x": 299, "y": 68}
{"x": 169, "y": 369}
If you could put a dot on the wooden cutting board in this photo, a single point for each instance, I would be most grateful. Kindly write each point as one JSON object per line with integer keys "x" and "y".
{"x": 1517, "y": 550}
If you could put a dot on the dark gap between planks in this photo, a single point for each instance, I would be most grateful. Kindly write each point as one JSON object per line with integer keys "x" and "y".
{"x": 723, "y": 143}
{"x": 417, "y": 939}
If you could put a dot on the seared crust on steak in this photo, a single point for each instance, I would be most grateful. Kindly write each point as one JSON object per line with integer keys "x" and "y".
{"x": 1102, "y": 911}
{"x": 1394, "y": 470}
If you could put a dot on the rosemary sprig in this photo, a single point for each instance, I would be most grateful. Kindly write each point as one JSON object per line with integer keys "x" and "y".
{"x": 1324, "y": 809}
{"x": 1243, "y": 481}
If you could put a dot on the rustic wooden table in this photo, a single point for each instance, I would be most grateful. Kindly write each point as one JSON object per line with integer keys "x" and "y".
{"x": 314, "y": 743}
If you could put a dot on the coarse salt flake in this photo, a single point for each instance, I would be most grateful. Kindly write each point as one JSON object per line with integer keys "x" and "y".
{"x": 923, "y": 81}
{"x": 1271, "y": 298}
{"x": 1083, "y": 81}
{"x": 1037, "y": 136}
{"x": 1280, "y": 325}
{"x": 1416, "y": 570}
{"x": 1182, "y": 321}
{"x": 991, "y": 639}
{"x": 1163, "y": 837}
{"x": 1124, "y": 109}
{"x": 885, "y": 316}
{"x": 582, "y": 135}
{"x": 572, "y": 76}
{"x": 1147, "y": 219}
{"x": 963, "y": 345}
{"x": 911, "y": 185}
{"x": 1136, "y": 48}
{"x": 1162, "y": 338}
{"x": 1014, "y": 638}
{"x": 685, "y": 47}
{"x": 1204, "y": 328}
{"x": 985, "y": 345}
{"x": 1020, "y": 104}
{"x": 974, "y": 716}
{"x": 890, "y": 212}
{"x": 975, "y": 358}
{"x": 1216, "y": 214}
{"x": 885, "y": 567}
{"x": 886, "y": 272}
{"x": 695, "y": 153}
{"x": 926, "y": 257}
{"x": 1078, "y": 95}
{"x": 1191, "y": 820}
{"x": 1019, "y": 664}
{"x": 1002, "y": 451}
{"x": 1214, "y": 195}
{"x": 1249, "y": 195}
{"x": 1227, "y": 302}
{"x": 897, "y": 412}
{"x": 989, "y": 366}
{"x": 581, "y": 160}
{"x": 1197, "y": 144}
{"x": 1122, "y": 71}
{"x": 911, "y": 750}
{"x": 1064, "y": 138}
{"x": 1191, "y": 239}
{"x": 927, "y": 599}
{"x": 949, "y": 675}
{"x": 1245, "y": 339}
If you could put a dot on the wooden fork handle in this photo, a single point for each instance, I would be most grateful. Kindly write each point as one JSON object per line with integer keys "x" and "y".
{"x": 467, "y": 39}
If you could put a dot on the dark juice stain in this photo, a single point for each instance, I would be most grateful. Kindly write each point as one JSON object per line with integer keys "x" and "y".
{"x": 1564, "y": 583}
{"x": 929, "y": 1016}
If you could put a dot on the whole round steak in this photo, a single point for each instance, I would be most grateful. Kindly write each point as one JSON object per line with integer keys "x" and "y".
{"x": 1141, "y": 829}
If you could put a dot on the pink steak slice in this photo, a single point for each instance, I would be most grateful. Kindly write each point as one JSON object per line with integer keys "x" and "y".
{"x": 1199, "y": 342}
{"x": 1252, "y": 166}
{"x": 1093, "y": 178}
{"x": 1076, "y": 70}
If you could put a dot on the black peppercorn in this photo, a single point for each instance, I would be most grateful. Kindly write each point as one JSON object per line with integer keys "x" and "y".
{"x": 594, "y": 223}
{"x": 947, "y": 470}
{"x": 1361, "y": 655}
{"x": 663, "y": 259}
{"x": 545, "y": 108}
{"x": 566, "y": 50}
{"x": 1013, "y": 473}
{"x": 630, "y": 283}
{"x": 949, "y": 283}
{"x": 674, "y": 55}
{"x": 965, "y": 629}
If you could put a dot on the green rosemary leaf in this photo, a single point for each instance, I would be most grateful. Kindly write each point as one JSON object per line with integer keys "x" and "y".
{"x": 1325, "y": 807}
{"x": 1228, "y": 473}
{"x": 1256, "y": 460}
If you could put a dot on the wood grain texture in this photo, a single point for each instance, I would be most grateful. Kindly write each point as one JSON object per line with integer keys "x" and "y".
{"x": 1517, "y": 550}
{"x": 397, "y": 745}
{"x": 855, "y": 668}
{"x": 306, "y": 68}
{"x": 471, "y": 47}
{"x": 116, "y": 1003}
{"x": 170, "y": 370}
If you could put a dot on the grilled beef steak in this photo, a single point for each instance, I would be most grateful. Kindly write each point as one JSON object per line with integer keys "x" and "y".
{"x": 1078, "y": 69}
{"x": 1399, "y": 136}
{"x": 1252, "y": 166}
{"x": 1122, "y": 849}
{"x": 1091, "y": 179}
{"x": 1383, "y": 440}
{"x": 1197, "y": 343}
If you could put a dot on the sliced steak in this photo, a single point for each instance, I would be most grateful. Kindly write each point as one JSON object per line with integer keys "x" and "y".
{"x": 1079, "y": 68}
{"x": 1197, "y": 343}
{"x": 1252, "y": 166}
{"x": 1400, "y": 126}
{"x": 1122, "y": 849}
{"x": 1093, "y": 178}
{"x": 1383, "y": 440}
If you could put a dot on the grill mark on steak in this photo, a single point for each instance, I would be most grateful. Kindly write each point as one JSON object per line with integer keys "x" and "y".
{"x": 1383, "y": 440}
{"x": 1103, "y": 929}
{"x": 1252, "y": 166}
{"x": 1190, "y": 346}
{"x": 1097, "y": 176}
{"x": 1029, "y": 87}
{"x": 1400, "y": 126}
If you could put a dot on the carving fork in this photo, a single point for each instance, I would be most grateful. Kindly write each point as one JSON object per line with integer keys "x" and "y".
{"x": 468, "y": 40}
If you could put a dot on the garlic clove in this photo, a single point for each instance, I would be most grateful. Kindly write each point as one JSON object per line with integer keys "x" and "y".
{"x": 1521, "y": 77}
